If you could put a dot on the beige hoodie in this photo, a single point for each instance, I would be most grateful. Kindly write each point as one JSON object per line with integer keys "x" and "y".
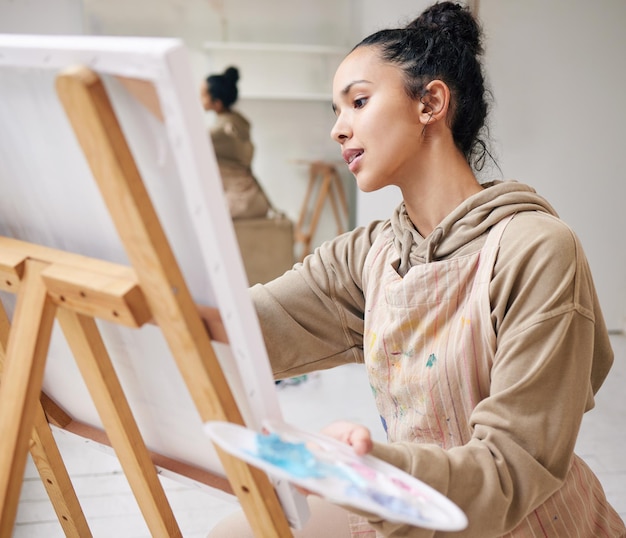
{"x": 550, "y": 333}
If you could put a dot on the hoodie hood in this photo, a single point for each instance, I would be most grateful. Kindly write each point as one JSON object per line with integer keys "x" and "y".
{"x": 469, "y": 220}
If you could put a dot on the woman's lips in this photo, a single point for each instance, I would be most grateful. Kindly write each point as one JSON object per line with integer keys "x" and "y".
{"x": 352, "y": 157}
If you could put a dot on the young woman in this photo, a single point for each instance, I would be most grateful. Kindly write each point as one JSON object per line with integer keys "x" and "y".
{"x": 472, "y": 307}
{"x": 233, "y": 148}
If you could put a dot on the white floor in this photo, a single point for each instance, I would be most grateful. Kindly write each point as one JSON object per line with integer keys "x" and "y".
{"x": 111, "y": 509}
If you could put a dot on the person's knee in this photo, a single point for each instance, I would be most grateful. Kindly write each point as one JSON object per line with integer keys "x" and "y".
{"x": 232, "y": 525}
{"x": 326, "y": 519}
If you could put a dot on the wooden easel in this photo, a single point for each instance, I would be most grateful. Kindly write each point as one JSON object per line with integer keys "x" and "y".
{"x": 325, "y": 181}
{"x": 75, "y": 290}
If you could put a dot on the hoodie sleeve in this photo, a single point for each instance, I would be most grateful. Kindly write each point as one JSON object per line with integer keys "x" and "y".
{"x": 553, "y": 353}
{"x": 312, "y": 316}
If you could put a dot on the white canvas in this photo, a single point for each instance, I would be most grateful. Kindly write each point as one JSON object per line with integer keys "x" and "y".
{"x": 48, "y": 196}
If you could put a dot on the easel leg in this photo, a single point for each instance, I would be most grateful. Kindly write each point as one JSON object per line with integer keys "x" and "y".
{"x": 317, "y": 210}
{"x": 330, "y": 187}
{"x": 318, "y": 171}
{"x": 49, "y": 462}
{"x": 334, "y": 206}
{"x": 56, "y": 480}
{"x": 341, "y": 195}
{"x": 108, "y": 396}
{"x": 300, "y": 235}
{"x": 337, "y": 196}
{"x": 27, "y": 349}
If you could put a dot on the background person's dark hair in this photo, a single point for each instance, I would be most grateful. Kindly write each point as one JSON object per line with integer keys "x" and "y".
{"x": 443, "y": 43}
{"x": 224, "y": 87}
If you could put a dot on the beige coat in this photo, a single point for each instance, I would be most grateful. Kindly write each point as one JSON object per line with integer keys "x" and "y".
{"x": 234, "y": 151}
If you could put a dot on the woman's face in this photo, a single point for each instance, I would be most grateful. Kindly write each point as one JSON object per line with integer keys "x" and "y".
{"x": 377, "y": 123}
{"x": 205, "y": 98}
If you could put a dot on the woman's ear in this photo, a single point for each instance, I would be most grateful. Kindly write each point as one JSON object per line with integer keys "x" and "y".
{"x": 435, "y": 102}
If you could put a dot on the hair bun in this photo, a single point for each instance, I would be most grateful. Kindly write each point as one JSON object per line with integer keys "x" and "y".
{"x": 232, "y": 74}
{"x": 452, "y": 21}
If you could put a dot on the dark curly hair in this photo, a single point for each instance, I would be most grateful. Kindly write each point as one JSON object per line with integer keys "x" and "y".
{"x": 445, "y": 43}
{"x": 224, "y": 87}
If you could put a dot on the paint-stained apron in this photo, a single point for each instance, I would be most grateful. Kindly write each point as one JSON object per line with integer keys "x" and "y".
{"x": 429, "y": 346}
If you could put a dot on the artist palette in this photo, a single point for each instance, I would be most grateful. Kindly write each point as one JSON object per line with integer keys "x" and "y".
{"x": 331, "y": 469}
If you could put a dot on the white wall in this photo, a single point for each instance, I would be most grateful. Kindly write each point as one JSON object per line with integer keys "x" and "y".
{"x": 41, "y": 17}
{"x": 557, "y": 72}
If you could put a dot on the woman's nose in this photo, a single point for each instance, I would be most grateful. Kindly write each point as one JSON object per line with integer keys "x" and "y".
{"x": 340, "y": 132}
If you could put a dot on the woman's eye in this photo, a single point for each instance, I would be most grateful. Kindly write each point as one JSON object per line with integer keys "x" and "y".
{"x": 360, "y": 103}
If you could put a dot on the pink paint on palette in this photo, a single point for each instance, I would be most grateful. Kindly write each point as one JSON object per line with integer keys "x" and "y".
{"x": 332, "y": 470}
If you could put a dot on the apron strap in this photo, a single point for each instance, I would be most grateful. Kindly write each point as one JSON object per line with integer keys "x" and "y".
{"x": 490, "y": 249}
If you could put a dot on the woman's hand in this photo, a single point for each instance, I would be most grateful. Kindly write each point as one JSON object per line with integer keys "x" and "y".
{"x": 357, "y": 436}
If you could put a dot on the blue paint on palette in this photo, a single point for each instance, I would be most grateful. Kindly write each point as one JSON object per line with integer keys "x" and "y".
{"x": 298, "y": 460}
{"x": 360, "y": 481}
{"x": 295, "y": 458}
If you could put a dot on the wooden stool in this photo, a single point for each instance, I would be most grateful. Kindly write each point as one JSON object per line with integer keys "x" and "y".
{"x": 323, "y": 178}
